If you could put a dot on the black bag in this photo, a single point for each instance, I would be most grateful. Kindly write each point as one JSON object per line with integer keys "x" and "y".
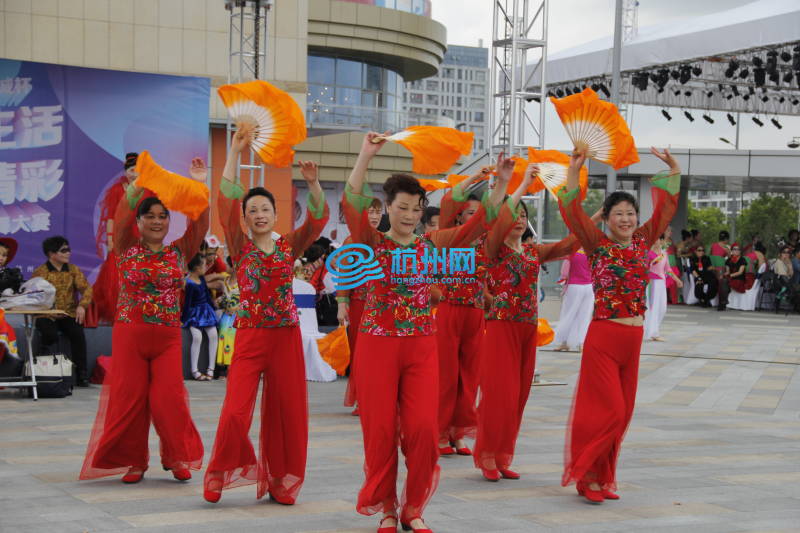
{"x": 53, "y": 376}
{"x": 10, "y": 278}
{"x": 327, "y": 310}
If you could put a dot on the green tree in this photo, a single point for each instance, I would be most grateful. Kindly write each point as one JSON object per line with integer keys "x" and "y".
{"x": 771, "y": 216}
{"x": 708, "y": 220}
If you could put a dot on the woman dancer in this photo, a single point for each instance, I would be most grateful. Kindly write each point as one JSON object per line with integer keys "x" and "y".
{"x": 147, "y": 381}
{"x": 459, "y": 330}
{"x": 268, "y": 341}
{"x": 199, "y": 316}
{"x": 396, "y": 365}
{"x": 351, "y": 305}
{"x": 509, "y": 346}
{"x": 606, "y": 389}
{"x": 660, "y": 270}
{"x": 577, "y": 303}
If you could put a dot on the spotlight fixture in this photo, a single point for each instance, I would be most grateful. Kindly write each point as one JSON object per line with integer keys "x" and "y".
{"x": 675, "y": 74}
{"x": 765, "y": 99}
{"x": 776, "y": 123}
{"x": 759, "y": 76}
{"x": 568, "y": 91}
{"x": 731, "y": 119}
{"x": 710, "y": 94}
{"x": 782, "y": 99}
{"x": 595, "y": 87}
{"x": 787, "y": 78}
{"x": 772, "y": 60}
{"x": 746, "y": 97}
{"x": 689, "y": 116}
{"x": 735, "y": 90}
{"x": 796, "y": 58}
{"x": 758, "y": 121}
{"x": 685, "y": 75}
{"x": 757, "y": 61}
{"x": 734, "y": 64}
{"x": 775, "y": 76}
{"x": 744, "y": 73}
{"x": 666, "y": 115}
{"x": 559, "y": 93}
{"x": 751, "y": 89}
{"x": 697, "y": 70}
{"x": 786, "y": 56}
{"x": 708, "y": 119}
{"x": 605, "y": 90}
{"x": 729, "y": 72}
{"x": 729, "y": 97}
{"x": 688, "y": 93}
{"x": 677, "y": 92}
{"x": 576, "y": 90}
{"x": 795, "y": 101}
{"x": 663, "y": 77}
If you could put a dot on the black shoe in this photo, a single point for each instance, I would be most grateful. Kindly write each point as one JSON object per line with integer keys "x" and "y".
{"x": 82, "y": 383}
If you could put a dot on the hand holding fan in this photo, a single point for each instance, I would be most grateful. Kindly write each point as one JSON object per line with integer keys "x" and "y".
{"x": 277, "y": 119}
{"x": 597, "y": 127}
{"x": 189, "y": 196}
{"x": 435, "y": 149}
{"x": 553, "y": 170}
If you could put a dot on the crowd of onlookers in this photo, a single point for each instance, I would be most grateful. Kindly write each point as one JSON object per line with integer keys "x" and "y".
{"x": 716, "y": 272}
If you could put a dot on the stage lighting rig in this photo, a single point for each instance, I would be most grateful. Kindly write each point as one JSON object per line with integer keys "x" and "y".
{"x": 758, "y": 121}
{"x": 757, "y": 61}
{"x": 708, "y": 119}
{"x": 559, "y": 93}
{"x": 794, "y": 143}
{"x": 786, "y": 56}
{"x": 685, "y": 75}
{"x": 731, "y": 119}
{"x": 759, "y": 76}
{"x": 689, "y": 116}
{"x": 776, "y": 123}
{"x": 788, "y": 77}
{"x": 666, "y": 115}
{"x": 605, "y": 90}
{"x": 697, "y": 71}
{"x": 744, "y": 73}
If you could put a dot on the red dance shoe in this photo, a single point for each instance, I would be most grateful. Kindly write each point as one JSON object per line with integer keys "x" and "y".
{"x": 134, "y": 475}
{"x": 213, "y": 490}
{"x": 608, "y": 495}
{"x": 355, "y": 412}
{"x": 463, "y": 451}
{"x": 446, "y": 450}
{"x": 407, "y": 526}
{"x": 509, "y": 474}
{"x": 491, "y": 475}
{"x": 387, "y": 529}
{"x": 592, "y": 496}
{"x": 182, "y": 474}
{"x": 283, "y": 500}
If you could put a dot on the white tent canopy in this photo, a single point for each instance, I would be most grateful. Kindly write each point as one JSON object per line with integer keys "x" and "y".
{"x": 707, "y": 41}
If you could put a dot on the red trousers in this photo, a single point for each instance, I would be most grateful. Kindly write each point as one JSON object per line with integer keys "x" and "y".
{"x": 603, "y": 404}
{"x": 277, "y": 354}
{"x": 146, "y": 382}
{"x": 397, "y": 379}
{"x": 354, "y": 318}
{"x": 506, "y": 375}
{"x": 459, "y": 332}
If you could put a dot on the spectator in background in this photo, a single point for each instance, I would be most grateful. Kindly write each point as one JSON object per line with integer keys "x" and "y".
{"x": 796, "y": 266}
{"x": 705, "y": 281}
{"x": 430, "y": 219}
{"x": 783, "y": 264}
{"x": 68, "y": 280}
{"x": 721, "y": 248}
{"x": 215, "y": 265}
{"x": 719, "y": 254}
{"x": 735, "y": 270}
{"x": 792, "y": 240}
{"x": 696, "y": 239}
{"x": 10, "y": 277}
{"x": 684, "y": 247}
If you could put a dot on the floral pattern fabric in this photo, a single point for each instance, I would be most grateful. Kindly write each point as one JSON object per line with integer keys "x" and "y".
{"x": 150, "y": 286}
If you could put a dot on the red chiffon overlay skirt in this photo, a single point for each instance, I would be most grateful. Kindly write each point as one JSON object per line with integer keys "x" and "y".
{"x": 146, "y": 383}
{"x": 398, "y": 384}
{"x": 459, "y": 333}
{"x": 506, "y": 375}
{"x": 603, "y": 404}
{"x": 356, "y": 308}
{"x": 276, "y": 354}
{"x": 105, "y": 290}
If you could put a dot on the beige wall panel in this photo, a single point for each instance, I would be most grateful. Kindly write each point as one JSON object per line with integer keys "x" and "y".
{"x": 170, "y": 13}
{"x": 95, "y": 44}
{"x": 44, "y": 7}
{"x": 17, "y": 35}
{"x": 146, "y": 12}
{"x": 70, "y": 8}
{"x": 97, "y": 10}
{"x": 120, "y": 45}
{"x": 70, "y": 41}
{"x": 216, "y": 54}
{"x": 44, "y": 39}
{"x": 120, "y": 11}
{"x": 194, "y": 14}
{"x": 194, "y": 52}
{"x": 18, "y": 6}
{"x": 217, "y": 18}
{"x": 170, "y": 49}
{"x": 145, "y": 48}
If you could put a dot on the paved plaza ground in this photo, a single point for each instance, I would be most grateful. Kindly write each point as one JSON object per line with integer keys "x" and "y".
{"x": 714, "y": 446}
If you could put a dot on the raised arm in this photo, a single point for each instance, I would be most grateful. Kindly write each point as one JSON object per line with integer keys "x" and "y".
{"x": 230, "y": 194}
{"x": 456, "y": 199}
{"x": 189, "y": 242}
{"x": 301, "y": 238}
{"x": 665, "y": 188}
{"x": 358, "y": 196}
{"x": 125, "y": 217}
{"x": 569, "y": 203}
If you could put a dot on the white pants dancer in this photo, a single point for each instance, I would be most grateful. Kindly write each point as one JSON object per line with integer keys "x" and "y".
{"x": 656, "y": 308}
{"x": 197, "y": 342}
{"x": 577, "y": 307}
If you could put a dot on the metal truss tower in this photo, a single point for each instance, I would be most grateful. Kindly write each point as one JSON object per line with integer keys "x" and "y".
{"x": 247, "y": 45}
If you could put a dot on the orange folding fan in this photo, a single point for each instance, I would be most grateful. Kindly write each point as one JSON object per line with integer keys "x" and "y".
{"x": 186, "y": 195}
{"x": 435, "y": 149}
{"x": 596, "y": 125}
{"x": 520, "y": 165}
{"x": 434, "y": 185}
{"x": 553, "y": 170}
{"x": 278, "y": 120}
{"x": 544, "y": 332}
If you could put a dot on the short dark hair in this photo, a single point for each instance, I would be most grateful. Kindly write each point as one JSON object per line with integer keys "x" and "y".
{"x": 527, "y": 234}
{"x": 429, "y": 213}
{"x": 724, "y": 235}
{"x": 376, "y": 203}
{"x": 695, "y": 232}
{"x": 759, "y": 247}
{"x": 258, "y": 191}
{"x": 617, "y": 197}
{"x": 3, "y": 245}
{"x": 314, "y": 252}
{"x": 52, "y": 245}
{"x": 130, "y": 160}
{"x": 147, "y": 204}
{"x": 685, "y": 234}
{"x": 195, "y": 262}
{"x": 406, "y": 183}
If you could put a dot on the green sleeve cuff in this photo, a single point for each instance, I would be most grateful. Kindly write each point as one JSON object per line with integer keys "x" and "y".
{"x": 671, "y": 184}
{"x": 361, "y": 201}
{"x": 231, "y": 190}
{"x": 343, "y": 299}
{"x": 567, "y": 197}
{"x": 316, "y": 210}
{"x": 132, "y": 197}
{"x": 514, "y": 208}
{"x": 459, "y": 194}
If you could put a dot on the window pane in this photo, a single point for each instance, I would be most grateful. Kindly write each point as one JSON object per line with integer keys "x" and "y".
{"x": 348, "y": 73}
{"x": 320, "y": 70}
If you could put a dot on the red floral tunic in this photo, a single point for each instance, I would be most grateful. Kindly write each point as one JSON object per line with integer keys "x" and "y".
{"x": 512, "y": 277}
{"x": 392, "y": 308}
{"x": 265, "y": 280}
{"x": 359, "y": 293}
{"x": 151, "y": 282}
{"x": 620, "y": 273}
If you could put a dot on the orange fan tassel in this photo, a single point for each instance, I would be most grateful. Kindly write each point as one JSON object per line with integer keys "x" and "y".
{"x": 434, "y": 185}
{"x": 544, "y": 333}
{"x": 597, "y": 126}
{"x": 434, "y": 149}
{"x": 178, "y": 193}
{"x": 278, "y": 120}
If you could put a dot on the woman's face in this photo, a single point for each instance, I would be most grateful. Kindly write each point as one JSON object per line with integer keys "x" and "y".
{"x": 735, "y": 250}
{"x": 374, "y": 216}
{"x": 622, "y": 221}
{"x": 154, "y": 225}
{"x": 786, "y": 254}
{"x": 520, "y": 225}
{"x": 405, "y": 212}
{"x": 259, "y": 215}
{"x": 668, "y": 233}
{"x": 469, "y": 211}
{"x": 3, "y": 255}
{"x": 700, "y": 252}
